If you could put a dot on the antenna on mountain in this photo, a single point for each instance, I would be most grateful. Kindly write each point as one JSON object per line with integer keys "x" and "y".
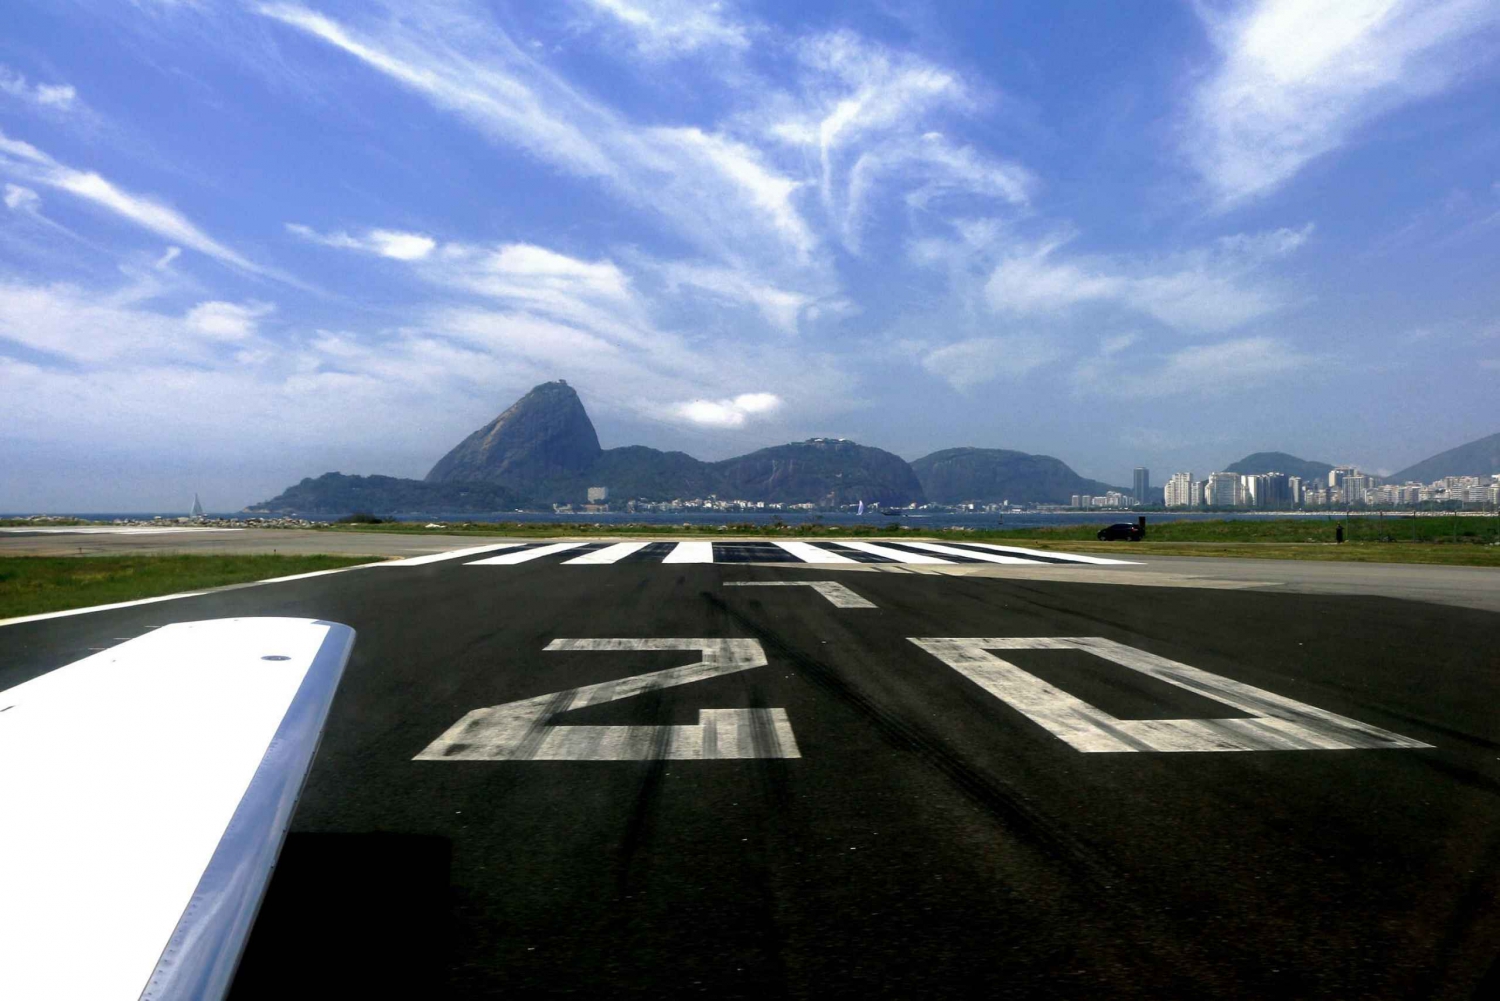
{"x": 197, "y": 511}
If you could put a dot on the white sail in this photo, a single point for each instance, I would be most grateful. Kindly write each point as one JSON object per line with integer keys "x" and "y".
{"x": 861, "y": 507}
{"x": 197, "y": 511}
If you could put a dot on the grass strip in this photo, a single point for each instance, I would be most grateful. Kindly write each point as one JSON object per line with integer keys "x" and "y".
{"x": 31, "y": 585}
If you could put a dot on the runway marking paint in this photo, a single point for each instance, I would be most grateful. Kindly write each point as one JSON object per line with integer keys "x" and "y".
{"x": 1277, "y": 723}
{"x": 526, "y": 731}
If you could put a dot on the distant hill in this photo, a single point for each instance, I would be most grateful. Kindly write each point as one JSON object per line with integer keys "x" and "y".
{"x": 988, "y": 475}
{"x": 336, "y": 494}
{"x": 824, "y": 470}
{"x": 544, "y": 450}
{"x": 1280, "y": 462}
{"x": 1477, "y": 458}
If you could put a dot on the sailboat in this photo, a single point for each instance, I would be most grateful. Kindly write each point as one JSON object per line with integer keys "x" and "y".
{"x": 197, "y": 511}
{"x": 861, "y": 510}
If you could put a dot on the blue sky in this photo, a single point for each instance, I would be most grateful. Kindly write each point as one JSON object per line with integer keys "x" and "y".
{"x": 242, "y": 243}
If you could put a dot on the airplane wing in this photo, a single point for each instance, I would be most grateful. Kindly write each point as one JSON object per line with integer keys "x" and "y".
{"x": 144, "y": 795}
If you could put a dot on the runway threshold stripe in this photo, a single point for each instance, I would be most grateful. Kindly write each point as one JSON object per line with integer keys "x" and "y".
{"x": 691, "y": 552}
{"x": 809, "y": 553}
{"x": 525, "y": 555}
{"x": 452, "y": 554}
{"x": 609, "y": 554}
{"x": 838, "y": 549}
{"x": 898, "y": 555}
{"x": 1046, "y": 556}
{"x": 972, "y": 555}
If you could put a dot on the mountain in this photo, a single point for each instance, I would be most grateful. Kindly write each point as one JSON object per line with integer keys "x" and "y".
{"x": 1477, "y": 458}
{"x": 544, "y": 450}
{"x": 546, "y": 435}
{"x": 337, "y": 494}
{"x": 1280, "y": 462}
{"x": 824, "y": 470}
{"x": 988, "y": 475}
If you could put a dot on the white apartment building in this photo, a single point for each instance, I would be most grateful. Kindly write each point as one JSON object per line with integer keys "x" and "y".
{"x": 1222, "y": 490}
{"x": 1179, "y": 490}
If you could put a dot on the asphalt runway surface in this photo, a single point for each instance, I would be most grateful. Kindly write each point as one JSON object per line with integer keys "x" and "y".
{"x": 650, "y": 780}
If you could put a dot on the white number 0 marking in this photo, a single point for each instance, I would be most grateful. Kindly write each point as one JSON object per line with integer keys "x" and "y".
{"x": 524, "y": 731}
{"x": 1277, "y": 724}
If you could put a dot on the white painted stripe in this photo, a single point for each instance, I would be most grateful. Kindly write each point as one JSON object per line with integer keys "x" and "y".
{"x": 97, "y": 608}
{"x": 119, "y": 774}
{"x": 971, "y": 554}
{"x": 526, "y": 731}
{"x": 452, "y": 554}
{"x": 317, "y": 573}
{"x": 1072, "y": 557}
{"x": 809, "y": 553}
{"x": 1277, "y": 724}
{"x": 525, "y": 555}
{"x": 609, "y": 554}
{"x": 840, "y": 595}
{"x": 899, "y": 555}
{"x": 691, "y": 552}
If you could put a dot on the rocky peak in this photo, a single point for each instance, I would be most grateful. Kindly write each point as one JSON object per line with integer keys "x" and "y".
{"x": 546, "y": 434}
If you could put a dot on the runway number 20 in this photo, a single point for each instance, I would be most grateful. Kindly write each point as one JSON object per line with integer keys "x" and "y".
{"x": 1275, "y": 724}
{"x": 527, "y": 731}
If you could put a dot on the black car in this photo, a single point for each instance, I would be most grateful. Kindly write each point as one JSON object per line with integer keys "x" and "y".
{"x": 1124, "y": 530}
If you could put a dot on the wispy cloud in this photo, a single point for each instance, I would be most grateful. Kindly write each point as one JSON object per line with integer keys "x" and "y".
{"x": 1212, "y": 289}
{"x": 1227, "y": 367}
{"x": 21, "y": 199}
{"x": 26, "y": 162}
{"x": 669, "y": 29}
{"x": 51, "y": 96}
{"x": 384, "y": 242}
{"x": 709, "y": 188}
{"x": 979, "y": 360}
{"x": 94, "y": 328}
{"x": 1296, "y": 80}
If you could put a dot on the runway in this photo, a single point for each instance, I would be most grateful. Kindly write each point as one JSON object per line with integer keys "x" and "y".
{"x": 752, "y": 778}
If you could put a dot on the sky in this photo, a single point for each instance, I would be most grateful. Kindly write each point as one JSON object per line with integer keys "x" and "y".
{"x": 246, "y": 242}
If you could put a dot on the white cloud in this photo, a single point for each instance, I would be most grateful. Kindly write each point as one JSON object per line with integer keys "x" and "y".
{"x": 115, "y": 326}
{"x": 782, "y": 308}
{"x": 19, "y": 199}
{"x": 666, "y": 29}
{"x": 978, "y": 360}
{"x": 730, "y": 413}
{"x": 25, "y": 161}
{"x": 1205, "y": 290}
{"x": 227, "y": 321}
{"x": 1295, "y": 80}
{"x": 1226, "y": 367}
{"x": 57, "y": 96}
{"x": 390, "y": 243}
{"x": 709, "y": 188}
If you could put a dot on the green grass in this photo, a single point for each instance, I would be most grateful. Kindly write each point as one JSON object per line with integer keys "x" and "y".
{"x": 50, "y": 523}
{"x": 30, "y": 585}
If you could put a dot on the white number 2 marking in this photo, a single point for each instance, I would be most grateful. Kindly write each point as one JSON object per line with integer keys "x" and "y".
{"x": 524, "y": 730}
{"x": 1277, "y": 723}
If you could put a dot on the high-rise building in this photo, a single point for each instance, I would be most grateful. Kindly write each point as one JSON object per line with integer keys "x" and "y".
{"x": 1294, "y": 490}
{"x": 1337, "y": 474}
{"x": 1195, "y": 493}
{"x": 1222, "y": 490}
{"x": 1178, "y": 492}
{"x": 1142, "y": 490}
